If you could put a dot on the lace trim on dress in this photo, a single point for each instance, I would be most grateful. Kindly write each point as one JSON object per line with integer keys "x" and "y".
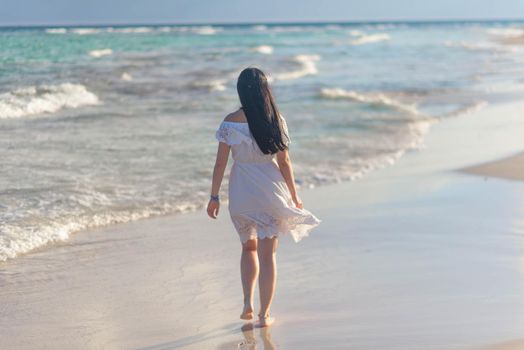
{"x": 231, "y": 134}
{"x": 299, "y": 224}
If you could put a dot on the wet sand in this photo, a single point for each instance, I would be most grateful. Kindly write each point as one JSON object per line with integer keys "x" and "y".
{"x": 511, "y": 168}
{"x": 416, "y": 256}
{"x": 511, "y": 345}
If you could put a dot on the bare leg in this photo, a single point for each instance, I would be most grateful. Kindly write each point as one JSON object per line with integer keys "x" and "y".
{"x": 268, "y": 276}
{"x": 248, "y": 273}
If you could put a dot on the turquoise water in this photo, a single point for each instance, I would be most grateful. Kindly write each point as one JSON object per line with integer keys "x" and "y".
{"x": 102, "y": 125}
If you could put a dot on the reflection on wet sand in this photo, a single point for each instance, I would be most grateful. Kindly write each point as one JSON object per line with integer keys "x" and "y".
{"x": 250, "y": 342}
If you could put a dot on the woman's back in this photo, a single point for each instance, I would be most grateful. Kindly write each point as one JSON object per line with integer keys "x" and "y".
{"x": 234, "y": 131}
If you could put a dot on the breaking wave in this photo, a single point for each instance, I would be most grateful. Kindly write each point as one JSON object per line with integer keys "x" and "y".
{"x": 369, "y": 98}
{"x": 44, "y": 99}
{"x": 264, "y": 49}
{"x": 16, "y": 239}
{"x": 56, "y": 31}
{"x": 369, "y": 39}
{"x": 100, "y": 53}
{"x": 211, "y": 85}
{"x": 307, "y": 67}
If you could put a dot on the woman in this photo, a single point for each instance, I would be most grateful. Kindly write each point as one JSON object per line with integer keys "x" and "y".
{"x": 263, "y": 200}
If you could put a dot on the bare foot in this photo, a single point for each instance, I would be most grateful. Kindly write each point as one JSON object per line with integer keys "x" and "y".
{"x": 265, "y": 321}
{"x": 247, "y": 313}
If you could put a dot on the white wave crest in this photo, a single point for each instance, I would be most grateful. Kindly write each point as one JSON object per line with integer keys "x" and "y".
{"x": 56, "y": 31}
{"x": 100, "y": 53}
{"x": 481, "y": 46}
{"x": 126, "y": 76}
{"x": 356, "y": 33}
{"x": 369, "y": 39}
{"x": 205, "y": 30}
{"x": 507, "y": 32}
{"x": 212, "y": 85}
{"x": 85, "y": 31}
{"x": 370, "y": 98}
{"x": 307, "y": 67}
{"x": 44, "y": 99}
{"x": 264, "y": 49}
{"x": 260, "y": 27}
{"x": 130, "y": 30}
{"x": 202, "y": 30}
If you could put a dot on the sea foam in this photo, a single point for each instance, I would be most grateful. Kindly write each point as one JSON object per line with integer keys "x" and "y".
{"x": 44, "y": 99}
{"x": 263, "y": 49}
{"x": 131, "y": 30}
{"x": 126, "y": 77}
{"x": 369, "y": 39}
{"x": 481, "y": 46}
{"x": 211, "y": 85}
{"x": 205, "y": 30}
{"x": 85, "y": 31}
{"x": 16, "y": 240}
{"x": 56, "y": 31}
{"x": 507, "y": 32}
{"x": 370, "y": 98}
{"x": 307, "y": 67}
{"x": 100, "y": 53}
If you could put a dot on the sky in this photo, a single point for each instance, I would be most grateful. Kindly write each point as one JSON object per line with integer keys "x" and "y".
{"x": 49, "y": 12}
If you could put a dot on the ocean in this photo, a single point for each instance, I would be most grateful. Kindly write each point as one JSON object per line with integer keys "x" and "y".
{"x": 105, "y": 125}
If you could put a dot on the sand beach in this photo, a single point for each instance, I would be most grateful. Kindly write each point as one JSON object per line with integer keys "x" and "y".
{"x": 421, "y": 255}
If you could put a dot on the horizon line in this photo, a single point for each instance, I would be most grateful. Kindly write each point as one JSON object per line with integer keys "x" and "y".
{"x": 268, "y": 22}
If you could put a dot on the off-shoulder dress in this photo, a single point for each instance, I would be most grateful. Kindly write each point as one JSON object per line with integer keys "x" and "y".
{"x": 260, "y": 203}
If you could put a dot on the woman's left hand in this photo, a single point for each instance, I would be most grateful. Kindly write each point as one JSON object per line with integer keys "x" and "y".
{"x": 212, "y": 208}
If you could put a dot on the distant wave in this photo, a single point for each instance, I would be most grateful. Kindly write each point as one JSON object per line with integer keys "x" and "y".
{"x": 356, "y": 33}
{"x": 480, "y": 46}
{"x": 307, "y": 67}
{"x": 56, "y": 30}
{"x": 44, "y": 99}
{"x": 507, "y": 32}
{"x": 100, "y": 53}
{"x": 201, "y": 30}
{"x": 126, "y": 76}
{"x": 204, "y": 30}
{"x": 369, "y": 39}
{"x": 86, "y": 31}
{"x": 130, "y": 30}
{"x": 370, "y": 98}
{"x": 260, "y": 27}
{"x": 211, "y": 85}
{"x": 264, "y": 49}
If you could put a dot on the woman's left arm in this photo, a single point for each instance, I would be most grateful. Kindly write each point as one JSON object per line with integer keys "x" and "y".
{"x": 218, "y": 174}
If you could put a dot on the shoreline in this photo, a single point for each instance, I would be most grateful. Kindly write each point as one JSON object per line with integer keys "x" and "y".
{"x": 407, "y": 249}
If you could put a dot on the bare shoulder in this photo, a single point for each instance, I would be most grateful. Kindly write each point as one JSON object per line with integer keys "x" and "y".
{"x": 237, "y": 116}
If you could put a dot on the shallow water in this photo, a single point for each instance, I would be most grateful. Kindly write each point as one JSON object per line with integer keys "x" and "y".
{"x": 110, "y": 124}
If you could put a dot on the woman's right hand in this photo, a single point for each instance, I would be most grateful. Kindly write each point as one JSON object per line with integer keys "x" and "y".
{"x": 298, "y": 202}
{"x": 212, "y": 208}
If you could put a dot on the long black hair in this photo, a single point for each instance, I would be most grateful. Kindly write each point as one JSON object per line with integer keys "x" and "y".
{"x": 261, "y": 111}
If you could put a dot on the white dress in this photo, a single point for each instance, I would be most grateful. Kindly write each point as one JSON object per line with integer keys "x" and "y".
{"x": 260, "y": 203}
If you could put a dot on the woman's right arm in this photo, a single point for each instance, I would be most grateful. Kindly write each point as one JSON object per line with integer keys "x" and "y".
{"x": 284, "y": 164}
